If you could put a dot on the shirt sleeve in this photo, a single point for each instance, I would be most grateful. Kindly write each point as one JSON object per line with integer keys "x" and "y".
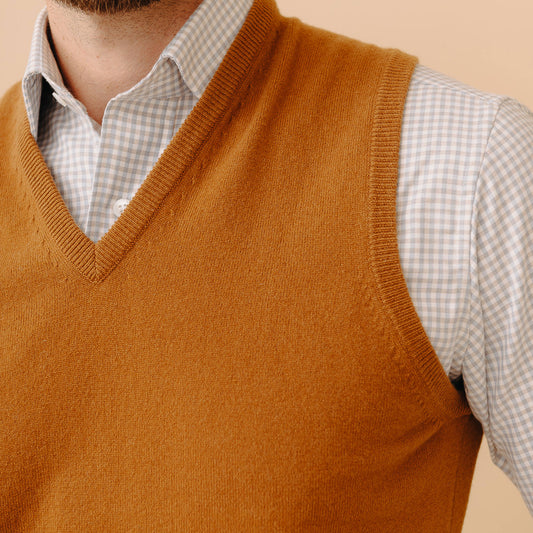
{"x": 498, "y": 367}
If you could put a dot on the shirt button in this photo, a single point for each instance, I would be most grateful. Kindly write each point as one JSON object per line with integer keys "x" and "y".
{"x": 119, "y": 206}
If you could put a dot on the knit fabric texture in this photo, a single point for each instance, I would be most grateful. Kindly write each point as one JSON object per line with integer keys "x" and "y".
{"x": 239, "y": 352}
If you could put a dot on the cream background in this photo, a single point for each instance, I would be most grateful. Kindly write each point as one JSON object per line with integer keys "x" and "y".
{"x": 486, "y": 43}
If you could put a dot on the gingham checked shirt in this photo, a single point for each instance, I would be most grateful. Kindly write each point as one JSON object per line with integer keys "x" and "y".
{"x": 464, "y": 204}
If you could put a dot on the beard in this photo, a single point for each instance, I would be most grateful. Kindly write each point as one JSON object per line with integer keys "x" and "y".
{"x": 107, "y": 7}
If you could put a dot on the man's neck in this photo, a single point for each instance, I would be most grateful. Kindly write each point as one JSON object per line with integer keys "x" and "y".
{"x": 101, "y": 56}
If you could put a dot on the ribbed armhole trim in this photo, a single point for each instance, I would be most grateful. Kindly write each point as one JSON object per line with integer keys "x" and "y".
{"x": 385, "y": 149}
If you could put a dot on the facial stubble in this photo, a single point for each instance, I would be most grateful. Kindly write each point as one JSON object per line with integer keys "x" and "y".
{"x": 107, "y": 7}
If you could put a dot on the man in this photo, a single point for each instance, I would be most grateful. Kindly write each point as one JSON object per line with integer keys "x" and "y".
{"x": 206, "y": 323}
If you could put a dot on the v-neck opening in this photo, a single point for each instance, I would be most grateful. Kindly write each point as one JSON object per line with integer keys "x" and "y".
{"x": 95, "y": 261}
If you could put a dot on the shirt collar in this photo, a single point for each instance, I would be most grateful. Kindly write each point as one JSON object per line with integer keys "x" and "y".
{"x": 202, "y": 42}
{"x": 195, "y": 52}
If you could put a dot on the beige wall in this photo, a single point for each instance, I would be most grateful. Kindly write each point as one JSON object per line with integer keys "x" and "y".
{"x": 486, "y": 43}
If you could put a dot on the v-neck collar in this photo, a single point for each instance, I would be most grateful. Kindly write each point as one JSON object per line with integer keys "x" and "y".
{"x": 96, "y": 260}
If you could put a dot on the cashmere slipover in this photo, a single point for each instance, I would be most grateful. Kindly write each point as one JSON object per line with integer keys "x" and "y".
{"x": 239, "y": 352}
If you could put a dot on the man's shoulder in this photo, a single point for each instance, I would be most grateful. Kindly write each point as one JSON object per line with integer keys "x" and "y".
{"x": 464, "y": 136}
{"x": 433, "y": 81}
{"x": 443, "y": 104}
{"x": 447, "y": 93}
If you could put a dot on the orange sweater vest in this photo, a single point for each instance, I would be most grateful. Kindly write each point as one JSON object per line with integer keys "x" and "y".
{"x": 239, "y": 353}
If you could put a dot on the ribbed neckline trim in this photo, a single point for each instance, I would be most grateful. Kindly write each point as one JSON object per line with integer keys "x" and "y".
{"x": 385, "y": 149}
{"x": 96, "y": 260}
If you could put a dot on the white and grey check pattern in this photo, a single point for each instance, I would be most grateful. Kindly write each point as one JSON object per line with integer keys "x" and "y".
{"x": 464, "y": 204}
